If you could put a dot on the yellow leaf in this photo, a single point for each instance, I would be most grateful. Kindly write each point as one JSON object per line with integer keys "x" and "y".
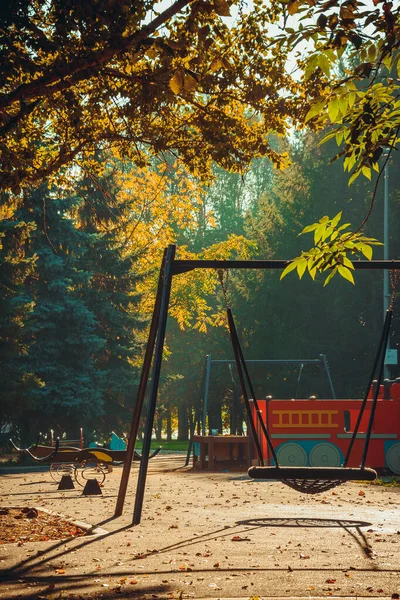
{"x": 336, "y": 219}
{"x": 353, "y": 177}
{"x": 324, "y": 64}
{"x": 347, "y": 262}
{"x": 346, "y": 273}
{"x": 301, "y": 267}
{"x": 366, "y": 171}
{"x": 333, "y": 109}
{"x": 189, "y": 82}
{"x": 221, "y": 7}
{"x": 216, "y": 64}
{"x": 315, "y": 110}
{"x": 293, "y": 7}
{"x": 176, "y": 82}
{"x": 367, "y": 251}
{"x": 291, "y": 267}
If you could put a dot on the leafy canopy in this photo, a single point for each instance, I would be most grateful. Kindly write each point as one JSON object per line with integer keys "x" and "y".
{"x": 82, "y": 75}
{"x": 79, "y": 76}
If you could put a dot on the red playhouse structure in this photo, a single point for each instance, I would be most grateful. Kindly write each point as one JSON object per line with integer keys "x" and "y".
{"x": 317, "y": 432}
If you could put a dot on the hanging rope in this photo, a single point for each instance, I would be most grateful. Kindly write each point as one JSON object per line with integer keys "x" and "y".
{"x": 394, "y": 277}
{"x": 376, "y": 373}
{"x": 377, "y": 368}
{"x": 245, "y": 376}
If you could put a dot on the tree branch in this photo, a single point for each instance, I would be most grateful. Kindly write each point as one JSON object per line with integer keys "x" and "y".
{"x": 62, "y": 77}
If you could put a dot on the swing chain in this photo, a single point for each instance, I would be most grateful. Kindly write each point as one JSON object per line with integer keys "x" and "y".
{"x": 224, "y": 284}
{"x": 394, "y": 280}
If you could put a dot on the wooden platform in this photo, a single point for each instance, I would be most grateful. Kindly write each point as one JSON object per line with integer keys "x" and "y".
{"x": 219, "y": 452}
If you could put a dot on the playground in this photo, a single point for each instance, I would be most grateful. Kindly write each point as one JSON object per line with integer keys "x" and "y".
{"x": 204, "y": 535}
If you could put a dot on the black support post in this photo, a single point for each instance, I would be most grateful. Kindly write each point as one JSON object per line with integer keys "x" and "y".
{"x": 166, "y": 291}
{"x": 144, "y": 377}
{"x": 197, "y": 417}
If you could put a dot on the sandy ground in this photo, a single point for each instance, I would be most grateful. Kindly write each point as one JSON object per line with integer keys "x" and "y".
{"x": 207, "y": 535}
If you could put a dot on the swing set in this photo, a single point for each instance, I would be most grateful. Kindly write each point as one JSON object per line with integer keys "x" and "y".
{"x": 304, "y": 479}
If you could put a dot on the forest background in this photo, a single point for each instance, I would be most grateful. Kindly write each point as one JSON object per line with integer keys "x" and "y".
{"x": 80, "y": 255}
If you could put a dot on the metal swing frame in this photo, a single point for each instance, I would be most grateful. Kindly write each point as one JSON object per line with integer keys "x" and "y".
{"x": 311, "y": 480}
{"x": 171, "y": 267}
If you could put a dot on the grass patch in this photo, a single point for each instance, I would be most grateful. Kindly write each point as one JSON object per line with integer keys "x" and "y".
{"x": 173, "y": 445}
{"x": 387, "y": 481}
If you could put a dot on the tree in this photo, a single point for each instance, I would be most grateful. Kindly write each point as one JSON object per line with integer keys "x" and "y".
{"x": 79, "y": 76}
{"x": 17, "y": 266}
{"x": 109, "y": 293}
{"x": 185, "y": 82}
{"x": 302, "y": 319}
{"x": 61, "y": 328}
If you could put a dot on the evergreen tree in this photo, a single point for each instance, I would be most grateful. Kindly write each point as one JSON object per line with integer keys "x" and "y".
{"x": 304, "y": 318}
{"x": 110, "y": 296}
{"x": 17, "y": 264}
{"x": 63, "y": 333}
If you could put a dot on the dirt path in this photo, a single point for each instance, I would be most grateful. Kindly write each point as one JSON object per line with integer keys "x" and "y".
{"x": 207, "y": 536}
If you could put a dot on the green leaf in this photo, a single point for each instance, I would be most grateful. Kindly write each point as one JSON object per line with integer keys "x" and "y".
{"x": 353, "y": 177}
{"x": 333, "y": 109}
{"x": 336, "y": 219}
{"x": 346, "y": 274}
{"x": 301, "y": 267}
{"x": 367, "y": 251}
{"x": 315, "y": 110}
{"x": 331, "y": 274}
{"x": 291, "y": 267}
{"x": 347, "y": 262}
{"x": 309, "y": 228}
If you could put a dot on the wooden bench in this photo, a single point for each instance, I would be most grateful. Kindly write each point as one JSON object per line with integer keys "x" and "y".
{"x": 70, "y": 444}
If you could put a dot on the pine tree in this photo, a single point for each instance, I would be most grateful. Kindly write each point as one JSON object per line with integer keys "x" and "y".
{"x": 110, "y": 295}
{"x": 63, "y": 330}
{"x": 17, "y": 264}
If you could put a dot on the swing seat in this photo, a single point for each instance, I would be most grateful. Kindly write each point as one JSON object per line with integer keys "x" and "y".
{"x": 312, "y": 480}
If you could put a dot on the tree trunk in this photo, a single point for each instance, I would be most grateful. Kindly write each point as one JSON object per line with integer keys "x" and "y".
{"x": 183, "y": 427}
{"x": 169, "y": 425}
{"x": 158, "y": 428}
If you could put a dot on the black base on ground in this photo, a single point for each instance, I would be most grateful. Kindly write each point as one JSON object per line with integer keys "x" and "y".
{"x": 66, "y": 483}
{"x": 92, "y": 488}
